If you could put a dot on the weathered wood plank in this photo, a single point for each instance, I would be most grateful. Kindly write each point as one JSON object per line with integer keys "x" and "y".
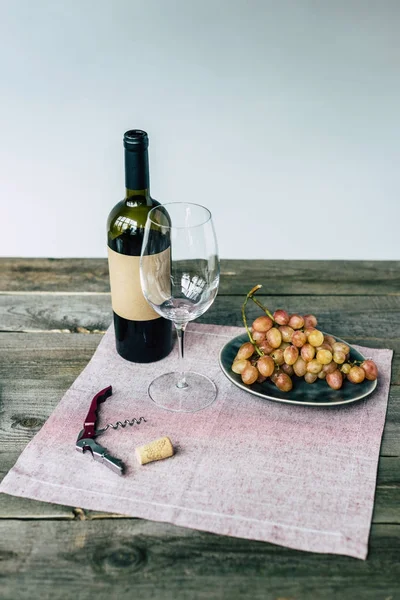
{"x": 366, "y": 317}
{"x": 278, "y": 277}
{"x": 127, "y": 559}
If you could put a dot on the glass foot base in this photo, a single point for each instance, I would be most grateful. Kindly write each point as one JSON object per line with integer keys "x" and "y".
{"x": 199, "y": 392}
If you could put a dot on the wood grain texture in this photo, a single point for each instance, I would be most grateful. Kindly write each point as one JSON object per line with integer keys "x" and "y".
{"x": 125, "y": 559}
{"x": 278, "y": 277}
{"x": 372, "y": 317}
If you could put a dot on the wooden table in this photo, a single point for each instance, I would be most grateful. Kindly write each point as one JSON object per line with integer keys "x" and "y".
{"x": 53, "y": 314}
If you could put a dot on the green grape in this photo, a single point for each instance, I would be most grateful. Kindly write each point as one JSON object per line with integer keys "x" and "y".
{"x": 314, "y": 366}
{"x": 356, "y": 375}
{"x": 341, "y": 347}
{"x": 278, "y": 356}
{"x": 274, "y": 337}
{"x": 339, "y": 357}
{"x": 281, "y": 317}
{"x": 286, "y": 333}
{"x": 240, "y": 365}
{"x": 291, "y": 354}
{"x": 310, "y": 377}
{"x": 316, "y": 338}
{"x": 324, "y": 357}
{"x": 300, "y": 367}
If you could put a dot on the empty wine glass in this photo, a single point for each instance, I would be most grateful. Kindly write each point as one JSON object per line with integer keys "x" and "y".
{"x": 179, "y": 274}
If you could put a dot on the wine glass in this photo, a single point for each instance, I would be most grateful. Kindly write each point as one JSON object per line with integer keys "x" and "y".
{"x": 179, "y": 274}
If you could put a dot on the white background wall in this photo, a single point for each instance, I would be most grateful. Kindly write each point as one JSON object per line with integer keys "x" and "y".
{"x": 283, "y": 117}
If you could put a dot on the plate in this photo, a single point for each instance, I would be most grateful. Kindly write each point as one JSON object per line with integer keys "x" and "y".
{"x": 315, "y": 394}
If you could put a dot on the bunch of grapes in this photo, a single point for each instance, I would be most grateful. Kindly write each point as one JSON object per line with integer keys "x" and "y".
{"x": 283, "y": 345}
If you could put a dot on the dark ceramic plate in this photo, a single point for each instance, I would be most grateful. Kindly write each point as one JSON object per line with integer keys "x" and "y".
{"x": 316, "y": 394}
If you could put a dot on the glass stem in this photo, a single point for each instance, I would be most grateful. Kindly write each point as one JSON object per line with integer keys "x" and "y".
{"x": 180, "y": 332}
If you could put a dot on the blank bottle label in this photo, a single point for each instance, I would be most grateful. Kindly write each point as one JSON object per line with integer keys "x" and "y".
{"x": 126, "y": 292}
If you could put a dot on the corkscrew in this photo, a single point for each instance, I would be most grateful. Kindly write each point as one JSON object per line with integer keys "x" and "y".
{"x": 86, "y": 437}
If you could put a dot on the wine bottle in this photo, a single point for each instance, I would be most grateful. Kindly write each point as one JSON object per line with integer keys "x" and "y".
{"x": 141, "y": 334}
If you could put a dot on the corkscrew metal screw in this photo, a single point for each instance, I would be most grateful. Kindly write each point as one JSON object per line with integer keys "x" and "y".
{"x": 86, "y": 437}
{"x": 122, "y": 424}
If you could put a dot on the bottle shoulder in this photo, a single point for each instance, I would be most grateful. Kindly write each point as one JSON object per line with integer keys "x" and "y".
{"x": 128, "y": 215}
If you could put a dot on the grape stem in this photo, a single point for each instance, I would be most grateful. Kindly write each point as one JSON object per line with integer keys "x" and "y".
{"x": 263, "y": 308}
{"x": 250, "y": 295}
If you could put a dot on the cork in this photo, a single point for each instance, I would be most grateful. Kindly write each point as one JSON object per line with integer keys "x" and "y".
{"x": 156, "y": 450}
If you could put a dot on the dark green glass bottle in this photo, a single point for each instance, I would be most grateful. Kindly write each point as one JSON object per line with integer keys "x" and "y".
{"x": 141, "y": 334}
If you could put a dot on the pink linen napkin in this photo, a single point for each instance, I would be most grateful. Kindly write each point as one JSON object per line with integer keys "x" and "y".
{"x": 297, "y": 476}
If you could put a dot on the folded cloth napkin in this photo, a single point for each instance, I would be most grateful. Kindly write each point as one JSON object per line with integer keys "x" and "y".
{"x": 293, "y": 475}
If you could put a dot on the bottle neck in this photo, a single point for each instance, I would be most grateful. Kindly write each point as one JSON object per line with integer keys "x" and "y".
{"x": 137, "y": 180}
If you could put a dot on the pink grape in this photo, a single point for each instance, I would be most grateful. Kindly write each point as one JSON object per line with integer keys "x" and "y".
{"x": 296, "y": 321}
{"x": 288, "y": 369}
{"x": 283, "y": 382}
{"x": 299, "y": 338}
{"x": 334, "y": 380}
{"x": 281, "y": 317}
{"x": 332, "y": 366}
{"x": 325, "y": 346}
{"x": 250, "y": 375}
{"x": 307, "y": 352}
{"x": 310, "y": 321}
{"x": 371, "y": 370}
{"x": 265, "y": 347}
{"x": 329, "y": 340}
{"x": 258, "y": 336}
{"x": 266, "y": 366}
{"x": 262, "y": 324}
{"x": 245, "y": 351}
